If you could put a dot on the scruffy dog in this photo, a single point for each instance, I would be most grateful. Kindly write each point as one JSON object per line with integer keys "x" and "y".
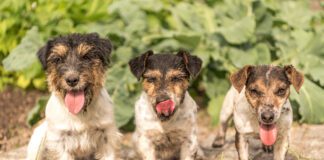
{"x": 165, "y": 113}
{"x": 259, "y": 104}
{"x": 79, "y": 121}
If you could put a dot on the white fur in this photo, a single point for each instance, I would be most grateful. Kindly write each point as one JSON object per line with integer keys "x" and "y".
{"x": 86, "y": 139}
{"x": 182, "y": 122}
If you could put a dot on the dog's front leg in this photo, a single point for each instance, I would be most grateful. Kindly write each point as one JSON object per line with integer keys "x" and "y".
{"x": 242, "y": 146}
{"x": 145, "y": 148}
{"x": 281, "y": 147}
{"x": 190, "y": 150}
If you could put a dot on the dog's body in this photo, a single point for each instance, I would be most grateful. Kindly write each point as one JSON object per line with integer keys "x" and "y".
{"x": 165, "y": 114}
{"x": 259, "y": 104}
{"x": 166, "y": 140}
{"x": 79, "y": 122}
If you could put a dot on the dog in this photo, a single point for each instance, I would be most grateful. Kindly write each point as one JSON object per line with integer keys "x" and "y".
{"x": 79, "y": 120}
{"x": 165, "y": 113}
{"x": 258, "y": 101}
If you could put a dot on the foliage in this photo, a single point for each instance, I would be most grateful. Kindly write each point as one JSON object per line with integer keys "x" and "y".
{"x": 226, "y": 34}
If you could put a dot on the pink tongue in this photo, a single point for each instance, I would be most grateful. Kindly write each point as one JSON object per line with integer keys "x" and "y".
{"x": 165, "y": 107}
{"x": 74, "y": 101}
{"x": 268, "y": 135}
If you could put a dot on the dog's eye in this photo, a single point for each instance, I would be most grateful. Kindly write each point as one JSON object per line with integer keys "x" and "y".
{"x": 255, "y": 92}
{"x": 151, "y": 79}
{"x": 281, "y": 92}
{"x": 176, "y": 79}
{"x": 86, "y": 58}
{"x": 57, "y": 60}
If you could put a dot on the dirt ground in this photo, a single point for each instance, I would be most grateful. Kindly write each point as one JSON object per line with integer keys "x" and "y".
{"x": 307, "y": 141}
{"x": 14, "y": 106}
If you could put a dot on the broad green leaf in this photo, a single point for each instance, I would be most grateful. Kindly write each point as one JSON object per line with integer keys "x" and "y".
{"x": 238, "y": 31}
{"x": 35, "y": 114}
{"x": 214, "y": 108}
{"x": 311, "y": 104}
{"x": 24, "y": 54}
{"x": 117, "y": 84}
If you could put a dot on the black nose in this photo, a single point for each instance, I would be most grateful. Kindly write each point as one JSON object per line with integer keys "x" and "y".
{"x": 72, "y": 81}
{"x": 267, "y": 117}
{"x": 162, "y": 98}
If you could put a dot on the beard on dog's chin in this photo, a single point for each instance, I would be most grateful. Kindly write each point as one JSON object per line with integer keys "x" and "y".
{"x": 268, "y": 133}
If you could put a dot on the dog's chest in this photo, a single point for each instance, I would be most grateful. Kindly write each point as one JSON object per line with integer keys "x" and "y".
{"x": 168, "y": 144}
{"x": 79, "y": 143}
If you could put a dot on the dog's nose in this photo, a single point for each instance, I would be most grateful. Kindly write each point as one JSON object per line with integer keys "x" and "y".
{"x": 72, "y": 81}
{"x": 162, "y": 98}
{"x": 267, "y": 117}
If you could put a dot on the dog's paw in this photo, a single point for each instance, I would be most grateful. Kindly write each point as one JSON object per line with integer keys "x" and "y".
{"x": 267, "y": 149}
{"x": 218, "y": 142}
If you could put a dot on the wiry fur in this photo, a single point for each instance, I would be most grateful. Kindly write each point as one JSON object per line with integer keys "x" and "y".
{"x": 91, "y": 133}
{"x": 157, "y": 136}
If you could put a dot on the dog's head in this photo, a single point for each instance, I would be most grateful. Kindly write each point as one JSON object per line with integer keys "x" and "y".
{"x": 75, "y": 65}
{"x": 165, "y": 78}
{"x": 267, "y": 90}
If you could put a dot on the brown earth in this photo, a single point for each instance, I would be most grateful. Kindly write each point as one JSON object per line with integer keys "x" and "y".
{"x": 14, "y": 107}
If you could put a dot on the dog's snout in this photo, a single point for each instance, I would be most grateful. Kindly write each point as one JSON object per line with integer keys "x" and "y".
{"x": 72, "y": 80}
{"x": 267, "y": 117}
{"x": 162, "y": 98}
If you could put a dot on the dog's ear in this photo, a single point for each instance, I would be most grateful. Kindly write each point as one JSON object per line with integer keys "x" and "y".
{"x": 192, "y": 63}
{"x": 138, "y": 64}
{"x": 239, "y": 78}
{"x": 295, "y": 78}
{"x": 106, "y": 48}
{"x": 42, "y": 55}
{"x": 104, "y": 45}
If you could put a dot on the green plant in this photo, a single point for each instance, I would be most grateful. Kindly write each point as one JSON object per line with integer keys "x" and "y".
{"x": 226, "y": 34}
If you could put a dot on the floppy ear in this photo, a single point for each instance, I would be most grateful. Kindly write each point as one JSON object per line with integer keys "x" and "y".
{"x": 239, "y": 78}
{"x": 138, "y": 64}
{"x": 295, "y": 78}
{"x": 192, "y": 63}
{"x": 106, "y": 48}
{"x": 103, "y": 45}
{"x": 42, "y": 55}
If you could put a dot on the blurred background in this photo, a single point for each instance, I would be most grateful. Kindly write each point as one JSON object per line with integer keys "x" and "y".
{"x": 226, "y": 34}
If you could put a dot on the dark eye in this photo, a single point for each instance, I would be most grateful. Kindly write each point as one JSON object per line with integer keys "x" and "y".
{"x": 57, "y": 59}
{"x": 151, "y": 79}
{"x": 255, "y": 92}
{"x": 176, "y": 79}
{"x": 86, "y": 58}
{"x": 281, "y": 92}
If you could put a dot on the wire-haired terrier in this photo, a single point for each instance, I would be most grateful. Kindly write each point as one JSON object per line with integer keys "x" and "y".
{"x": 259, "y": 104}
{"x": 79, "y": 121}
{"x": 165, "y": 113}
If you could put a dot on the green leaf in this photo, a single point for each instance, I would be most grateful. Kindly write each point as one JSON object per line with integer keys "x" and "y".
{"x": 35, "y": 114}
{"x": 117, "y": 84}
{"x": 238, "y": 31}
{"x": 24, "y": 54}
{"x": 214, "y": 108}
{"x": 311, "y": 103}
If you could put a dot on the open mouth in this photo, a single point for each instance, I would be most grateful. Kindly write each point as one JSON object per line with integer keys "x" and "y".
{"x": 268, "y": 133}
{"x": 165, "y": 108}
{"x": 74, "y": 100}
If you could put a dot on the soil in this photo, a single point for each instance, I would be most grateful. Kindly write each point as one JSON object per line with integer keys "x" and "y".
{"x": 14, "y": 107}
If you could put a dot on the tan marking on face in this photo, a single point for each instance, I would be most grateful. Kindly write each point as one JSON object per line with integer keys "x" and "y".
{"x": 267, "y": 94}
{"x": 179, "y": 87}
{"x": 151, "y": 87}
{"x": 60, "y": 49}
{"x": 83, "y": 48}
